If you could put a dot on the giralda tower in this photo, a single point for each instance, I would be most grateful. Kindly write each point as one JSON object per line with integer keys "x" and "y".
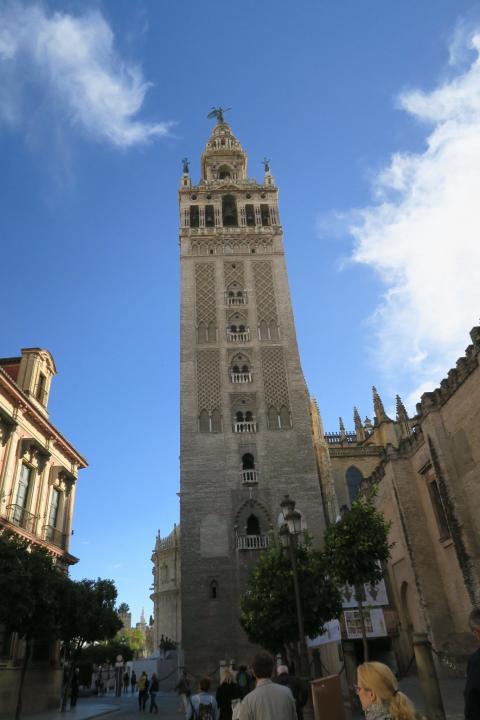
{"x": 246, "y": 437}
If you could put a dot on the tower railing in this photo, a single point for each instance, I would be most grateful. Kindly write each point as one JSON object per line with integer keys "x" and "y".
{"x": 242, "y": 377}
{"x": 243, "y": 336}
{"x": 246, "y": 426}
{"x": 236, "y": 300}
{"x": 250, "y": 477}
{"x": 251, "y": 542}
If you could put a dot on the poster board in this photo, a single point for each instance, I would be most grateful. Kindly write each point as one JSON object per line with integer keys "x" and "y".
{"x": 327, "y": 698}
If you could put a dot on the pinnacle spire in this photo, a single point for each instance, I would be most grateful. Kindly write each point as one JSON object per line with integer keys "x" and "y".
{"x": 380, "y": 414}
{"x": 359, "y": 429}
{"x": 342, "y": 427}
{"x": 402, "y": 415}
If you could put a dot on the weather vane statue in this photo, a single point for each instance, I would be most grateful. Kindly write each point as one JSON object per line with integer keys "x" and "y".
{"x": 218, "y": 113}
{"x": 186, "y": 164}
{"x": 266, "y": 164}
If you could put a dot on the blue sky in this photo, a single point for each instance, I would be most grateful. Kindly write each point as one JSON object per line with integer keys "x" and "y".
{"x": 370, "y": 113}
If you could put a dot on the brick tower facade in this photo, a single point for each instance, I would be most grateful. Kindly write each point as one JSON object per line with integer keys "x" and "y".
{"x": 246, "y": 436}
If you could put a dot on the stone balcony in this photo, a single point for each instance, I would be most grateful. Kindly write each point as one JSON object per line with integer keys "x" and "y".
{"x": 251, "y": 542}
{"x": 249, "y": 477}
{"x": 238, "y": 337}
{"x": 242, "y": 300}
{"x": 243, "y": 377}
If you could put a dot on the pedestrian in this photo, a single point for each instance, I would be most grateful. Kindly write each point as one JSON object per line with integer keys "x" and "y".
{"x": 74, "y": 687}
{"x": 203, "y": 706}
{"x": 126, "y": 681}
{"x": 133, "y": 681}
{"x": 377, "y": 689}
{"x": 142, "y": 690}
{"x": 227, "y": 691}
{"x": 297, "y": 688}
{"x": 268, "y": 701}
{"x": 182, "y": 688}
{"x": 154, "y": 688}
{"x": 472, "y": 684}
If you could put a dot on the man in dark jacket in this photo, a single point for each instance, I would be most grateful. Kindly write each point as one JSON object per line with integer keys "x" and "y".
{"x": 297, "y": 688}
{"x": 472, "y": 685}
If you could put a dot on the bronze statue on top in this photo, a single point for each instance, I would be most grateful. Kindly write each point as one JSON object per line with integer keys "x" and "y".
{"x": 218, "y": 113}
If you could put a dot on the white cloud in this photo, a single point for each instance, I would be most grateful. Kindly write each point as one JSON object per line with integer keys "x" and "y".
{"x": 69, "y": 62}
{"x": 422, "y": 236}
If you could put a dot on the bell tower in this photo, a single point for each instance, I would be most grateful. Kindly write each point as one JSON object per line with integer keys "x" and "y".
{"x": 246, "y": 437}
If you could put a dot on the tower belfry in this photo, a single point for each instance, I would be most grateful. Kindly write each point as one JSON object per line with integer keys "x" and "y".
{"x": 246, "y": 437}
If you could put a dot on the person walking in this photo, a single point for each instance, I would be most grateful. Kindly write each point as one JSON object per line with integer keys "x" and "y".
{"x": 243, "y": 680}
{"x": 268, "y": 701}
{"x": 126, "y": 681}
{"x": 380, "y": 698}
{"x": 74, "y": 687}
{"x": 203, "y": 706}
{"x": 142, "y": 690}
{"x": 227, "y": 691}
{"x": 297, "y": 688}
{"x": 133, "y": 681}
{"x": 472, "y": 684}
{"x": 182, "y": 688}
{"x": 154, "y": 688}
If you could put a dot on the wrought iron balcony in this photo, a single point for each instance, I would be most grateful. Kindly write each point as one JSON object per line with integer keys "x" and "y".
{"x": 249, "y": 477}
{"x": 243, "y": 336}
{"x": 54, "y": 536}
{"x": 251, "y": 542}
{"x": 20, "y": 517}
{"x": 243, "y": 377}
{"x": 245, "y": 427}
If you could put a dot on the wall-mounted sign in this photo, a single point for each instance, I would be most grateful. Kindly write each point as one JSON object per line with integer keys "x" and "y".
{"x": 374, "y": 623}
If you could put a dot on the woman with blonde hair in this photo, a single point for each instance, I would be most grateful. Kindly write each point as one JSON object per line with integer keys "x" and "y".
{"x": 227, "y": 691}
{"x": 379, "y": 695}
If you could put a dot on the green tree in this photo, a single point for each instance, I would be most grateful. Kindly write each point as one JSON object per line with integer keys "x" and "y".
{"x": 30, "y": 600}
{"x": 268, "y": 605}
{"x": 134, "y": 638}
{"x": 89, "y": 615}
{"x": 355, "y": 548}
{"x": 123, "y": 608}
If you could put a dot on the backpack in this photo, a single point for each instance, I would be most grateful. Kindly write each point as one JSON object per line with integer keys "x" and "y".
{"x": 242, "y": 679}
{"x": 205, "y": 711}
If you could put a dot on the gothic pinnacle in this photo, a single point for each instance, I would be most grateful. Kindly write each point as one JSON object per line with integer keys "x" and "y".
{"x": 342, "y": 427}
{"x": 359, "y": 429}
{"x": 380, "y": 414}
{"x": 402, "y": 415}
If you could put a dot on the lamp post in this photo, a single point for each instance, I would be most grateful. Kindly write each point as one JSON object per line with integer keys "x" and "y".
{"x": 289, "y": 533}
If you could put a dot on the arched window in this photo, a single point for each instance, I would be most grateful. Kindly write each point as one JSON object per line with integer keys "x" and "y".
{"x": 253, "y": 525}
{"x": 211, "y": 332}
{"x": 194, "y": 216}
{"x": 202, "y": 333}
{"x": 284, "y": 418}
{"x": 236, "y": 369}
{"x": 273, "y": 330}
{"x": 216, "y": 421}
{"x": 213, "y": 591}
{"x": 239, "y": 416}
{"x": 204, "y": 421}
{"x": 229, "y": 211}
{"x": 248, "y": 462}
{"x": 248, "y": 416}
{"x": 263, "y": 330}
{"x": 272, "y": 418}
{"x": 209, "y": 216}
{"x": 245, "y": 369}
{"x": 249, "y": 215}
{"x": 354, "y": 479}
{"x": 265, "y": 214}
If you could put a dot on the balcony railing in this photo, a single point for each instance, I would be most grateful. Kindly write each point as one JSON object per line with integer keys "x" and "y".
{"x": 243, "y": 336}
{"x": 54, "y": 536}
{"x": 236, "y": 300}
{"x": 251, "y": 542}
{"x": 21, "y": 518}
{"x": 249, "y": 477}
{"x": 245, "y": 427}
{"x": 244, "y": 377}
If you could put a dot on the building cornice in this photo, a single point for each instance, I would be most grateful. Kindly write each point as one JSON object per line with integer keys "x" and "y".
{"x": 20, "y": 400}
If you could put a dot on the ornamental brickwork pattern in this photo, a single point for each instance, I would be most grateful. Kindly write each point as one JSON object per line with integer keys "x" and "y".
{"x": 275, "y": 378}
{"x": 205, "y": 293}
{"x": 234, "y": 273}
{"x": 264, "y": 292}
{"x": 209, "y": 395}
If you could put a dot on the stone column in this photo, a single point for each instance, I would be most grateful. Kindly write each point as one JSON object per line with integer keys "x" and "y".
{"x": 427, "y": 674}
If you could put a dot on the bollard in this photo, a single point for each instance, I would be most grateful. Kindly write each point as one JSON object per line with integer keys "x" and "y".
{"x": 427, "y": 674}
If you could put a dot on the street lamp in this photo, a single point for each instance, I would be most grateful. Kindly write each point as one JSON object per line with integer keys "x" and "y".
{"x": 289, "y": 532}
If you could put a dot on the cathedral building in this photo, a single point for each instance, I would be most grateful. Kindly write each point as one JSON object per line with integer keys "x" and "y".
{"x": 246, "y": 439}
{"x": 426, "y": 470}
